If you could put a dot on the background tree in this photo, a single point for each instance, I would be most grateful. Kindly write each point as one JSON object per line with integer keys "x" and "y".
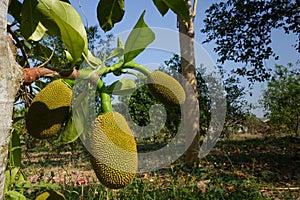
{"x": 242, "y": 31}
{"x": 140, "y": 102}
{"x": 281, "y": 99}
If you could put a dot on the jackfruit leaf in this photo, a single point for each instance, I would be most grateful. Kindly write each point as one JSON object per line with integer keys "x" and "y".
{"x": 38, "y": 33}
{"x": 110, "y": 12}
{"x": 93, "y": 59}
{"x": 49, "y": 23}
{"x": 123, "y": 86}
{"x": 139, "y": 38}
{"x": 14, "y": 195}
{"x": 69, "y": 134}
{"x": 116, "y": 52}
{"x": 72, "y": 31}
{"x": 15, "y": 150}
{"x": 80, "y": 111}
{"x": 179, "y": 7}
{"x": 15, "y": 9}
{"x": 120, "y": 43}
{"x": 29, "y": 21}
{"x": 161, "y": 6}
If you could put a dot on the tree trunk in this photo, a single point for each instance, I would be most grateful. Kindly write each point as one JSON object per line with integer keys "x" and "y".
{"x": 10, "y": 77}
{"x": 191, "y": 114}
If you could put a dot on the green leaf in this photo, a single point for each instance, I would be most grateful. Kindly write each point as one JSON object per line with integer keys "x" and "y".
{"x": 69, "y": 134}
{"x": 14, "y": 195}
{"x": 179, "y": 7}
{"x": 15, "y": 150}
{"x": 49, "y": 23}
{"x": 7, "y": 180}
{"x": 161, "y": 6}
{"x": 15, "y": 9}
{"x": 72, "y": 31}
{"x": 110, "y": 12}
{"x": 29, "y": 21}
{"x": 116, "y": 52}
{"x": 123, "y": 86}
{"x": 139, "y": 38}
{"x": 38, "y": 33}
{"x": 93, "y": 59}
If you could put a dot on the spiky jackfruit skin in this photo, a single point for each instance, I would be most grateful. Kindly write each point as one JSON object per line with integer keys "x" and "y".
{"x": 166, "y": 89}
{"x": 49, "y": 110}
{"x": 113, "y": 151}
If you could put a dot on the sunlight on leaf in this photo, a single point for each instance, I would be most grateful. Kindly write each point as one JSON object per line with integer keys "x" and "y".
{"x": 72, "y": 30}
{"x": 139, "y": 38}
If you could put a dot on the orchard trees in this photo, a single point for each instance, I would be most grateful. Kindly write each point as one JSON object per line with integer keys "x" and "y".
{"x": 281, "y": 99}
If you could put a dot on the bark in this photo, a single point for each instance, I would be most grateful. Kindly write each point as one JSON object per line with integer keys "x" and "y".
{"x": 10, "y": 77}
{"x": 191, "y": 114}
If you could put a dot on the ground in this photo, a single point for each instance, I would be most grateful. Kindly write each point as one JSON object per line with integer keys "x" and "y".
{"x": 244, "y": 167}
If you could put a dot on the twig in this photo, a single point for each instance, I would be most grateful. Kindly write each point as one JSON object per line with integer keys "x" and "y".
{"x": 19, "y": 44}
{"x": 48, "y": 60}
{"x": 195, "y": 8}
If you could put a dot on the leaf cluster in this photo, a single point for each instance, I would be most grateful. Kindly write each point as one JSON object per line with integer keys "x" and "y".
{"x": 242, "y": 31}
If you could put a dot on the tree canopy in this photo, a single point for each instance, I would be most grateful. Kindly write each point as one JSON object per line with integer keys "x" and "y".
{"x": 242, "y": 31}
{"x": 281, "y": 98}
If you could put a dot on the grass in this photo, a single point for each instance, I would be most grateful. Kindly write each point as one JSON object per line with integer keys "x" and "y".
{"x": 256, "y": 168}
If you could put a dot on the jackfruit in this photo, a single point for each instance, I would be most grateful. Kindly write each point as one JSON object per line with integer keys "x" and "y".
{"x": 113, "y": 151}
{"x": 166, "y": 89}
{"x": 49, "y": 110}
{"x": 50, "y": 195}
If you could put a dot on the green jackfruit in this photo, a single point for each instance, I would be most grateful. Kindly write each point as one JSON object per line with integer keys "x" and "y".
{"x": 166, "y": 89}
{"x": 49, "y": 110}
{"x": 113, "y": 151}
{"x": 50, "y": 195}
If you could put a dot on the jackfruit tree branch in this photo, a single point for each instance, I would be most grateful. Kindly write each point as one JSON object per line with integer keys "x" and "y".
{"x": 32, "y": 74}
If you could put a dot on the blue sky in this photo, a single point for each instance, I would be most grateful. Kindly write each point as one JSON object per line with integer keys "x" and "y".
{"x": 281, "y": 43}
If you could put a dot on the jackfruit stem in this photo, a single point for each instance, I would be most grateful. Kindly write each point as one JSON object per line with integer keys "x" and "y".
{"x": 106, "y": 102}
{"x": 137, "y": 67}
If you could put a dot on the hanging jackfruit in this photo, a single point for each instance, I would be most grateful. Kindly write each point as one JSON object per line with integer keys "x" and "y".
{"x": 166, "y": 89}
{"x": 113, "y": 151}
{"x": 49, "y": 110}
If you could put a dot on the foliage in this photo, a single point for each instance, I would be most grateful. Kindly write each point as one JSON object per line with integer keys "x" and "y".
{"x": 281, "y": 98}
{"x": 111, "y": 12}
{"x": 140, "y": 102}
{"x": 242, "y": 31}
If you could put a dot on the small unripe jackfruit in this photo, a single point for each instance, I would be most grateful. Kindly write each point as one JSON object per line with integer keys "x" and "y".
{"x": 166, "y": 89}
{"x": 49, "y": 110}
{"x": 113, "y": 151}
